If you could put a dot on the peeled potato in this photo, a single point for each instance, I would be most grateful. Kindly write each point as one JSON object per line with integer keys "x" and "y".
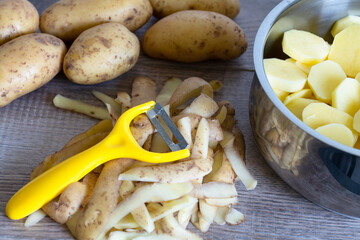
{"x": 337, "y": 132}
{"x": 280, "y": 94}
{"x": 297, "y": 105}
{"x": 346, "y": 96}
{"x": 304, "y": 93}
{"x": 356, "y": 124}
{"x": 324, "y": 77}
{"x": 303, "y": 66}
{"x": 319, "y": 114}
{"x": 283, "y": 75}
{"x": 343, "y": 23}
{"x": 305, "y": 47}
{"x": 345, "y": 50}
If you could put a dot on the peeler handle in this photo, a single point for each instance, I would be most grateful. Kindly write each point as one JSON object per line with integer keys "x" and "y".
{"x": 51, "y": 183}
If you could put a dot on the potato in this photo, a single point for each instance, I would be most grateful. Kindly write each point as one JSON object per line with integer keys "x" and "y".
{"x": 111, "y": 47}
{"x": 346, "y": 96}
{"x": 345, "y": 50}
{"x": 305, "y": 47}
{"x": 66, "y": 19}
{"x": 343, "y": 23}
{"x": 324, "y": 78}
{"x": 283, "y": 75}
{"x": 18, "y": 17}
{"x": 304, "y": 93}
{"x": 319, "y": 114}
{"x": 229, "y": 8}
{"x": 194, "y": 36}
{"x": 356, "y": 123}
{"x": 27, "y": 63}
{"x": 297, "y": 105}
{"x": 338, "y": 132}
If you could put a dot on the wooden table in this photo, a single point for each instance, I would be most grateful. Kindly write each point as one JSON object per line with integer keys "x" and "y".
{"x": 31, "y": 128}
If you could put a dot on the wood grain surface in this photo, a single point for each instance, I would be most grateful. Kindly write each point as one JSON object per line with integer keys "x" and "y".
{"x": 31, "y": 128}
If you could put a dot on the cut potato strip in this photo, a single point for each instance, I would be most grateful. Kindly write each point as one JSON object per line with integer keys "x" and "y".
{"x": 211, "y": 190}
{"x": 221, "y": 202}
{"x": 338, "y": 132}
{"x": 220, "y": 215}
{"x": 284, "y": 76}
{"x": 201, "y": 142}
{"x": 304, "y": 47}
{"x": 237, "y": 162}
{"x": 218, "y": 158}
{"x": 203, "y": 106}
{"x": 343, "y": 23}
{"x": 324, "y": 78}
{"x": 216, "y": 133}
{"x": 170, "y": 173}
{"x": 234, "y": 217}
{"x": 225, "y": 173}
{"x": 346, "y": 96}
{"x": 127, "y": 222}
{"x": 184, "y": 126}
{"x": 142, "y": 216}
{"x": 203, "y": 225}
{"x": 189, "y": 88}
{"x": 172, "y": 227}
{"x": 319, "y": 114}
{"x": 345, "y": 50}
{"x": 171, "y": 207}
{"x": 80, "y": 107}
{"x": 157, "y": 192}
{"x": 185, "y": 213}
{"x": 34, "y": 218}
{"x": 108, "y": 100}
{"x": 72, "y": 222}
{"x": 167, "y": 90}
{"x": 208, "y": 211}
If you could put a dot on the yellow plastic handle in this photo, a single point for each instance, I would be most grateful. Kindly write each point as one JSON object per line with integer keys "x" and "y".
{"x": 118, "y": 144}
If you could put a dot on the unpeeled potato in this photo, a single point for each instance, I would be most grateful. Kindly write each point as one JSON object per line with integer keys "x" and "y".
{"x": 162, "y": 8}
{"x": 194, "y": 36}
{"x": 17, "y": 17}
{"x": 27, "y": 63}
{"x": 101, "y": 53}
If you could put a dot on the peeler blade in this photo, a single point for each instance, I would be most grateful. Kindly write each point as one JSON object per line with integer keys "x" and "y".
{"x": 158, "y": 110}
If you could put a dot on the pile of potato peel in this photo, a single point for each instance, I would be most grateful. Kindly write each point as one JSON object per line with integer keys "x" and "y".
{"x": 129, "y": 199}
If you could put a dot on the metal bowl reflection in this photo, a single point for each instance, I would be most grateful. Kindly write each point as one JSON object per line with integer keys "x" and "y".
{"x": 322, "y": 170}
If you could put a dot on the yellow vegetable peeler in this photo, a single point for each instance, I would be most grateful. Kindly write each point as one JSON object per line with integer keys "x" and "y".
{"x": 118, "y": 144}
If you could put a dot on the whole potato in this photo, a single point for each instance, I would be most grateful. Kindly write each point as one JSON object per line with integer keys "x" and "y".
{"x": 101, "y": 53}
{"x": 17, "y": 17}
{"x": 163, "y": 8}
{"x": 66, "y": 19}
{"x": 27, "y": 63}
{"x": 194, "y": 36}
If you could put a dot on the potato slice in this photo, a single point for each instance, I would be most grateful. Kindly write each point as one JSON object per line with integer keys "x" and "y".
{"x": 280, "y": 94}
{"x": 356, "y": 123}
{"x": 345, "y": 50}
{"x": 337, "y": 132}
{"x": 234, "y": 217}
{"x": 284, "y": 76}
{"x": 304, "y": 46}
{"x": 343, "y": 23}
{"x": 304, "y": 93}
{"x": 346, "y": 96}
{"x": 319, "y": 114}
{"x": 297, "y": 106}
{"x": 324, "y": 78}
{"x": 203, "y": 106}
{"x": 304, "y": 67}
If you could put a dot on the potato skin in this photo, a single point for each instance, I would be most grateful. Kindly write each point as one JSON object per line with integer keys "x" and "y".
{"x": 163, "y": 8}
{"x": 66, "y": 19}
{"x": 194, "y": 36}
{"x": 27, "y": 63}
{"x": 18, "y": 17}
{"x": 101, "y": 53}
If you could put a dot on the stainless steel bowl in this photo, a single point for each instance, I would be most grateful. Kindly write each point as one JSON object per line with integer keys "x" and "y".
{"x": 322, "y": 170}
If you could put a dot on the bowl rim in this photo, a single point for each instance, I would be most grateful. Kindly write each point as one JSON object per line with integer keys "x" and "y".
{"x": 258, "y": 55}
